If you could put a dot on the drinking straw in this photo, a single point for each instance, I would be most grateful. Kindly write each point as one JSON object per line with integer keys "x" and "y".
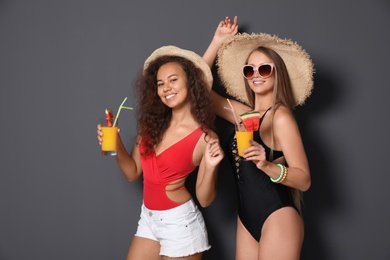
{"x": 119, "y": 110}
{"x": 228, "y": 108}
{"x": 236, "y": 117}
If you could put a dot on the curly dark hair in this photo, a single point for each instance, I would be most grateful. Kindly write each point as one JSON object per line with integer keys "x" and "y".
{"x": 153, "y": 116}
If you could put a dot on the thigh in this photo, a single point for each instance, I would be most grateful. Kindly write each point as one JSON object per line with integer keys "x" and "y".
{"x": 144, "y": 248}
{"x": 182, "y": 233}
{"x": 247, "y": 247}
{"x": 282, "y": 235}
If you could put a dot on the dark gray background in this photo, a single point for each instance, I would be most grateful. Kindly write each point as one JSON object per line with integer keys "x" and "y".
{"x": 63, "y": 62}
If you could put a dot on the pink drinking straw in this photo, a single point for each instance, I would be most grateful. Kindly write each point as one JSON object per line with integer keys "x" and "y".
{"x": 234, "y": 114}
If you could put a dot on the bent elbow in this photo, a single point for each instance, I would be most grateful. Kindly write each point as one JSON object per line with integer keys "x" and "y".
{"x": 132, "y": 179}
{"x": 306, "y": 185}
{"x": 205, "y": 204}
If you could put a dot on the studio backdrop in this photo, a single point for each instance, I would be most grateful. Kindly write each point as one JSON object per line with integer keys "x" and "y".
{"x": 63, "y": 62}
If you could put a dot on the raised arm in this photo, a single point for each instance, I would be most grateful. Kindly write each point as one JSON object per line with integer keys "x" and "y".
{"x": 226, "y": 28}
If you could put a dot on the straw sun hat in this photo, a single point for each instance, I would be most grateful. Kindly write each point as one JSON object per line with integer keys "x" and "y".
{"x": 189, "y": 55}
{"x": 234, "y": 52}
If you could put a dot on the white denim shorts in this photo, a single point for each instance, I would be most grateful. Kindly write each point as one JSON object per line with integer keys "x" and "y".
{"x": 181, "y": 231}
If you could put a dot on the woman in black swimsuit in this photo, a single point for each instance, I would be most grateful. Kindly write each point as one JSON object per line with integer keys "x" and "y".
{"x": 270, "y": 75}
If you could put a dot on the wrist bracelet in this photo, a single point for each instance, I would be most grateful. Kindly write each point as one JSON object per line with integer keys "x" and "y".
{"x": 284, "y": 175}
{"x": 281, "y": 174}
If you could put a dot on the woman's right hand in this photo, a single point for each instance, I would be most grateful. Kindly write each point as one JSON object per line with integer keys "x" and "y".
{"x": 100, "y": 133}
{"x": 256, "y": 153}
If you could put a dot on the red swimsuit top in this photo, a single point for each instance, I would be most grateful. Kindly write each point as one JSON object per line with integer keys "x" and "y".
{"x": 172, "y": 164}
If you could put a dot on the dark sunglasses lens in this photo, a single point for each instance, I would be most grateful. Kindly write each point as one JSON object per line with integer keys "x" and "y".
{"x": 248, "y": 71}
{"x": 265, "y": 70}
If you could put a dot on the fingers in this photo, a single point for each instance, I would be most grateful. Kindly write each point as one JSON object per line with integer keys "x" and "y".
{"x": 225, "y": 22}
{"x": 213, "y": 148}
{"x": 99, "y": 133}
{"x": 256, "y": 152}
{"x": 235, "y": 25}
{"x": 228, "y": 22}
{"x": 235, "y": 20}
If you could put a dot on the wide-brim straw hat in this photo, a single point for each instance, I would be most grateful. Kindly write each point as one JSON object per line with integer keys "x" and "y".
{"x": 234, "y": 52}
{"x": 171, "y": 50}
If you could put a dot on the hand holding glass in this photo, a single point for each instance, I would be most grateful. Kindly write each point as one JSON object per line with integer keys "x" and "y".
{"x": 110, "y": 130}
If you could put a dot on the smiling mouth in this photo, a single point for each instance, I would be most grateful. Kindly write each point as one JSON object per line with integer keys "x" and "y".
{"x": 258, "y": 82}
{"x": 170, "y": 96}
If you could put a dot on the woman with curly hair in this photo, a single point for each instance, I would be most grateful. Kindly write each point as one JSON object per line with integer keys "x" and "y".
{"x": 175, "y": 136}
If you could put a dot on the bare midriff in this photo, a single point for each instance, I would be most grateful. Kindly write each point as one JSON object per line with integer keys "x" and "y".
{"x": 177, "y": 192}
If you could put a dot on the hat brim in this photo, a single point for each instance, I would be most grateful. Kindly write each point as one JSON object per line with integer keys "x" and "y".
{"x": 234, "y": 52}
{"x": 189, "y": 55}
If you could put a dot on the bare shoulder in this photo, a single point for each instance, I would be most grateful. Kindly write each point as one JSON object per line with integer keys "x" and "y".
{"x": 285, "y": 127}
{"x": 205, "y": 138}
{"x": 283, "y": 118}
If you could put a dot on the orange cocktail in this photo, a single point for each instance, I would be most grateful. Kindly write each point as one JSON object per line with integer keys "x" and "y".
{"x": 110, "y": 135}
{"x": 243, "y": 138}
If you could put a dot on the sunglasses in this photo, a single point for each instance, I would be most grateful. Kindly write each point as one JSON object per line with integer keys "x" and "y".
{"x": 264, "y": 70}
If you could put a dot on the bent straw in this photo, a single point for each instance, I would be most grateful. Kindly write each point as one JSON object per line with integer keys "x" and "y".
{"x": 119, "y": 110}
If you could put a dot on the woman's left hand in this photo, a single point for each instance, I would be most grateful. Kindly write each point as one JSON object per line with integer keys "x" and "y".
{"x": 226, "y": 28}
{"x": 214, "y": 153}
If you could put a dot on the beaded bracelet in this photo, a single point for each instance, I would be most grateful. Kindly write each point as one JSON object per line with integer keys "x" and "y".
{"x": 281, "y": 174}
{"x": 284, "y": 175}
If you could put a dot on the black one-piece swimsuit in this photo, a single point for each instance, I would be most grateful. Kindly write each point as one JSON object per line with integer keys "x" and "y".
{"x": 258, "y": 196}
